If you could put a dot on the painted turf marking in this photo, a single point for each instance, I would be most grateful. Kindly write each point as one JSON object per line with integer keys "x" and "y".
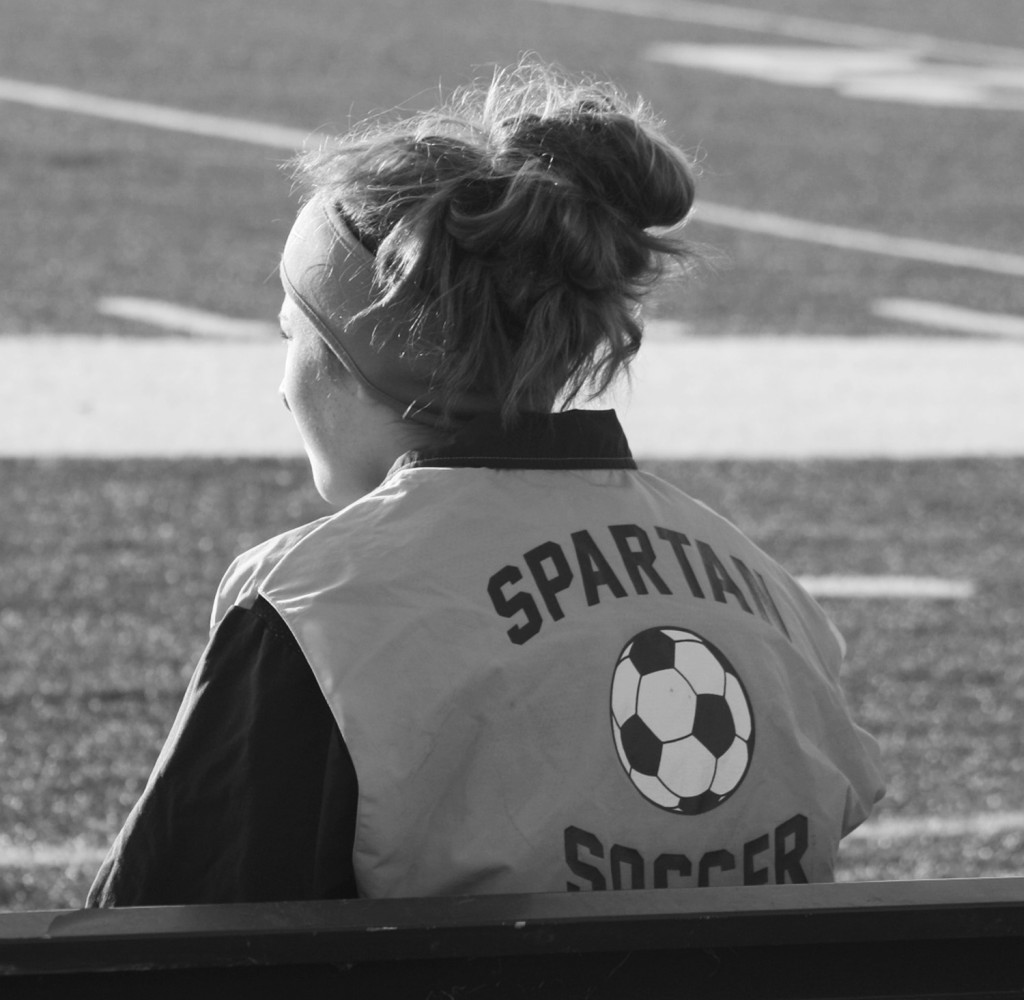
{"x": 710, "y": 213}
{"x": 862, "y": 240}
{"x": 809, "y": 29}
{"x": 926, "y": 588}
{"x": 197, "y": 322}
{"x": 895, "y": 75}
{"x": 153, "y": 115}
{"x": 77, "y": 854}
{"x": 939, "y": 315}
{"x": 910, "y": 827}
{"x": 73, "y": 853}
{"x": 790, "y": 397}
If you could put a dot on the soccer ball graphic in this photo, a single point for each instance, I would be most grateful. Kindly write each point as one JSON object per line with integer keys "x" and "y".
{"x": 681, "y": 720}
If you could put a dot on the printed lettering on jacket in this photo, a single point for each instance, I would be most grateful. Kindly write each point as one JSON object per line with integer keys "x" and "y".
{"x": 638, "y": 561}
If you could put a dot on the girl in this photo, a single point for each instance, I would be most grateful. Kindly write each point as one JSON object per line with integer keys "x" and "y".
{"x": 511, "y": 661}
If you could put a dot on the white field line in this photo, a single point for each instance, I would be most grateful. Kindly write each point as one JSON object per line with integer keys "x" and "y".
{"x": 896, "y": 75}
{"x": 940, "y": 316}
{"x": 153, "y": 115}
{"x": 721, "y": 15}
{"x": 921, "y": 588}
{"x": 862, "y": 240}
{"x": 76, "y": 854}
{"x": 281, "y": 137}
{"x": 72, "y": 853}
{"x": 838, "y": 397}
{"x": 911, "y": 827}
{"x": 197, "y": 322}
{"x": 789, "y": 397}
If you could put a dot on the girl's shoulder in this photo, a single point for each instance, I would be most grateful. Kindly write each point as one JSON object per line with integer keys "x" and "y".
{"x": 241, "y": 582}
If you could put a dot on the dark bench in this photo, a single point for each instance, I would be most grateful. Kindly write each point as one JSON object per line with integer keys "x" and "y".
{"x": 951, "y": 938}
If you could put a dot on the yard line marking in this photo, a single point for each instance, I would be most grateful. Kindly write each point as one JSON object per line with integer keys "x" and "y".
{"x": 169, "y": 316}
{"x": 791, "y": 26}
{"x": 909, "y": 827}
{"x": 927, "y": 588}
{"x": 76, "y": 853}
{"x": 895, "y": 75}
{"x": 33, "y": 855}
{"x": 861, "y": 240}
{"x": 946, "y": 317}
{"x": 710, "y": 213}
{"x": 200, "y": 323}
{"x": 792, "y": 397}
{"x": 154, "y": 115}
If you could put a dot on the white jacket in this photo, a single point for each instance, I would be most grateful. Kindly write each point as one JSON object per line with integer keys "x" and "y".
{"x": 554, "y": 671}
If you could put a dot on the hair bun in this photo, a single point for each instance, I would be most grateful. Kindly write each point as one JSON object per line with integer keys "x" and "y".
{"x": 515, "y": 225}
{"x": 614, "y": 157}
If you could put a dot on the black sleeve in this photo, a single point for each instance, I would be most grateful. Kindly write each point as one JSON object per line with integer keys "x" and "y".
{"x": 254, "y": 794}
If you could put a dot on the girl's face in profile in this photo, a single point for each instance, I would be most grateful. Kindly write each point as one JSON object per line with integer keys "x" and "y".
{"x": 351, "y": 439}
{"x": 327, "y": 409}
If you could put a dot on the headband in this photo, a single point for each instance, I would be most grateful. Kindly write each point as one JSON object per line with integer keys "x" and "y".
{"x": 330, "y": 276}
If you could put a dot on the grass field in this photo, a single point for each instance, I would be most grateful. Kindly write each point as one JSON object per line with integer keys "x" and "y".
{"x": 114, "y": 209}
{"x": 107, "y": 568}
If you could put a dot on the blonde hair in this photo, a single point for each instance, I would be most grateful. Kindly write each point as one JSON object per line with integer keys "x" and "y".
{"x": 517, "y": 222}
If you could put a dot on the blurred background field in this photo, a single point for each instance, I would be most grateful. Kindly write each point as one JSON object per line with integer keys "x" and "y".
{"x": 114, "y": 209}
{"x": 107, "y": 567}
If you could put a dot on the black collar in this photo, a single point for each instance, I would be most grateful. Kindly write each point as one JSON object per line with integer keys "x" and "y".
{"x": 573, "y": 439}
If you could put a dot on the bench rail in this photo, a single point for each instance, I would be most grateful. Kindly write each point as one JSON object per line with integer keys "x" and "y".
{"x": 957, "y": 937}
